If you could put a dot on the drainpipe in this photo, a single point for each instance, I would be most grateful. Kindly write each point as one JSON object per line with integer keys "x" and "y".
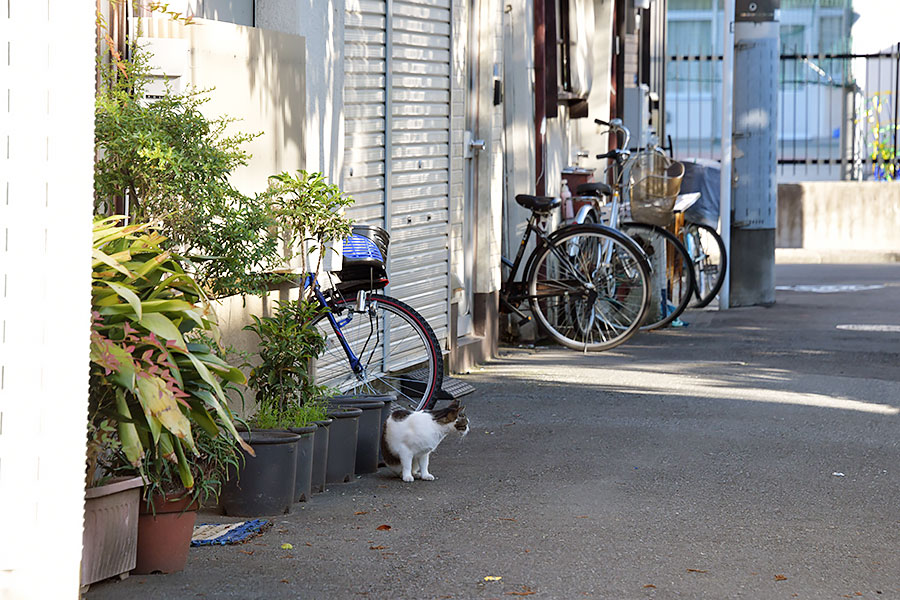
{"x": 725, "y": 177}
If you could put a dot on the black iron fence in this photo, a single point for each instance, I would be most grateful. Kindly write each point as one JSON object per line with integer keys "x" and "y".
{"x": 837, "y": 113}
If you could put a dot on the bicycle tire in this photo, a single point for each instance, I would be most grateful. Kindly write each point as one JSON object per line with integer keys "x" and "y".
{"x": 589, "y": 287}
{"x": 680, "y": 282}
{"x": 710, "y": 260}
{"x": 414, "y": 369}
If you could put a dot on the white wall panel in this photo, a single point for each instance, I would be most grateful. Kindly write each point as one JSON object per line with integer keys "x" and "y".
{"x": 45, "y": 262}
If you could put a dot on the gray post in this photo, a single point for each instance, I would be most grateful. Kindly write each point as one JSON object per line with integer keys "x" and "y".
{"x": 752, "y": 256}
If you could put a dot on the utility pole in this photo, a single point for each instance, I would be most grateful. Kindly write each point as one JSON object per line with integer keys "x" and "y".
{"x": 752, "y": 250}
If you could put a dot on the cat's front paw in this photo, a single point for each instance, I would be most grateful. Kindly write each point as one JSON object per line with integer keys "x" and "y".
{"x": 427, "y": 477}
{"x": 407, "y": 477}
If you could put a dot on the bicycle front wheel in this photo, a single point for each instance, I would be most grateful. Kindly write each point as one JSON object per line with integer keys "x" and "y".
{"x": 672, "y": 286}
{"x": 707, "y": 251}
{"x": 589, "y": 287}
{"x": 385, "y": 348}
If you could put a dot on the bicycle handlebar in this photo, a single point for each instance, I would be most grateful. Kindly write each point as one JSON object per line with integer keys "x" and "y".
{"x": 618, "y": 126}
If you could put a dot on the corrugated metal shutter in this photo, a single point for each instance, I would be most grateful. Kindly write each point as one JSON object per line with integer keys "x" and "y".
{"x": 365, "y": 81}
{"x": 408, "y": 52}
{"x": 420, "y": 150}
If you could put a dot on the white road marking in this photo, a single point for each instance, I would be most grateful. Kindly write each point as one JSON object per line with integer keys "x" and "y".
{"x": 829, "y": 289}
{"x": 880, "y": 328}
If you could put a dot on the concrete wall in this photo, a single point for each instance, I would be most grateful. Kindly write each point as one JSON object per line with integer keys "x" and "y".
{"x": 259, "y": 79}
{"x": 839, "y": 216}
{"x": 322, "y": 24}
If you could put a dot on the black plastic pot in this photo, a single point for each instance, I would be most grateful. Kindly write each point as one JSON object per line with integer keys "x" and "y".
{"x": 303, "y": 485}
{"x": 320, "y": 455}
{"x": 265, "y": 484}
{"x": 342, "y": 435}
{"x": 368, "y": 443}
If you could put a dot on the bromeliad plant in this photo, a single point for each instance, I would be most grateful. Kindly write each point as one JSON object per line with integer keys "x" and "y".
{"x": 162, "y": 390}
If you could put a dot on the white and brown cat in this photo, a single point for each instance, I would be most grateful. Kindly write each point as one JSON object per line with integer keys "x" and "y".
{"x": 409, "y": 438}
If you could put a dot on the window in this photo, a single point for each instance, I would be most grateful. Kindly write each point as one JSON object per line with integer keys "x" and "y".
{"x": 793, "y": 39}
{"x": 831, "y": 35}
{"x": 689, "y": 37}
{"x": 690, "y": 5}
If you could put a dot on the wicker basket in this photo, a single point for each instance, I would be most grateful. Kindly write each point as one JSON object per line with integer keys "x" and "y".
{"x": 657, "y": 181}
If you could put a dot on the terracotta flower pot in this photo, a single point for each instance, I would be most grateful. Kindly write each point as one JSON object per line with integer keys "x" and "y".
{"x": 164, "y": 538}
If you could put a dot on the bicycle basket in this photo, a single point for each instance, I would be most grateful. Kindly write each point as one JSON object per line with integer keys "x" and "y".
{"x": 365, "y": 253}
{"x": 657, "y": 181}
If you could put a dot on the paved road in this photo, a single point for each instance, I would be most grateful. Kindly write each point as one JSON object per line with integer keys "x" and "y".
{"x": 753, "y": 454}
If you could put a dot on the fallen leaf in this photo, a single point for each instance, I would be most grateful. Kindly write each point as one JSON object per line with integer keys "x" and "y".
{"x": 383, "y": 527}
{"x": 650, "y": 586}
{"x": 526, "y": 591}
{"x": 287, "y": 546}
{"x": 697, "y": 571}
{"x": 361, "y": 512}
{"x": 503, "y": 519}
{"x": 377, "y": 547}
{"x": 582, "y": 517}
{"x": 288, "y": 556}
{"x": 308, "y": 544}
{"x": 780, "y": 578}
{"x": 285, "y": 581}
{"x": 248, "y": 552}
{"x": 492, "y": 578}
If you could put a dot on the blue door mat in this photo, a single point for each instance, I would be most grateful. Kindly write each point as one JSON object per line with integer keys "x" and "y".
{"x": 216, "y": 534}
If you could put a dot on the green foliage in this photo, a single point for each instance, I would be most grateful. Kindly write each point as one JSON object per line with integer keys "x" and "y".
{"x": 146, "y": 375}
{"x": 282, "y": 380}
{"x": 309, "y": 210}
{"x": 172, "y": 164}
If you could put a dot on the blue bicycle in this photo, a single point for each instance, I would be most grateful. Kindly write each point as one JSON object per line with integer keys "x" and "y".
{"x": 375, "y": 344}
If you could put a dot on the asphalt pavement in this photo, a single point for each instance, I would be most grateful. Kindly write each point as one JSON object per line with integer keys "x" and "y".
{"x": 751, "y": 454}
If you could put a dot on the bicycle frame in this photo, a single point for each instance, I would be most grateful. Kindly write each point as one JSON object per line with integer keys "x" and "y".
{"x": 310, "y": 281}
{"x": 512, "y": 292}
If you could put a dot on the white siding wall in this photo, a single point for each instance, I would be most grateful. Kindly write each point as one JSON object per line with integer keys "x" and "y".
{"x": 45, "y": 240}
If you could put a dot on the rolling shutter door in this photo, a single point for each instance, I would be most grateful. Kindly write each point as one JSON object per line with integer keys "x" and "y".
{"x": 365, "y": 81}
{"x": 418, "y": 194}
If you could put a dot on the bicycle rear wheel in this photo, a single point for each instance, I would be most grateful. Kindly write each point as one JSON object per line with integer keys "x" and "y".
{"x": 677, "y": 282}
{"x": 396, "y": 349}
{"x": 589, "y": 287}
{"x": 708, "y": 254}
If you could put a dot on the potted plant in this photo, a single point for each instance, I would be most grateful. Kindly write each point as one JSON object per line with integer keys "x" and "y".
{"x": 109, "y": 539}
{"x": 286, "y": 400}
{"x": 155, "y": 374}
{"x": 172, "y": 163}
{"x": 309, "y": 213}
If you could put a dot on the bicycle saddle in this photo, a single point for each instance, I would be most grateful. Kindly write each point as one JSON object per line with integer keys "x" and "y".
{"x": 537, "y": 203}
{"x": 596, "y": 188}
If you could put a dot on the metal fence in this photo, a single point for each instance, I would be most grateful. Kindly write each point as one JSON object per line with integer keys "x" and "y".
{"x": 837, "y": 113}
